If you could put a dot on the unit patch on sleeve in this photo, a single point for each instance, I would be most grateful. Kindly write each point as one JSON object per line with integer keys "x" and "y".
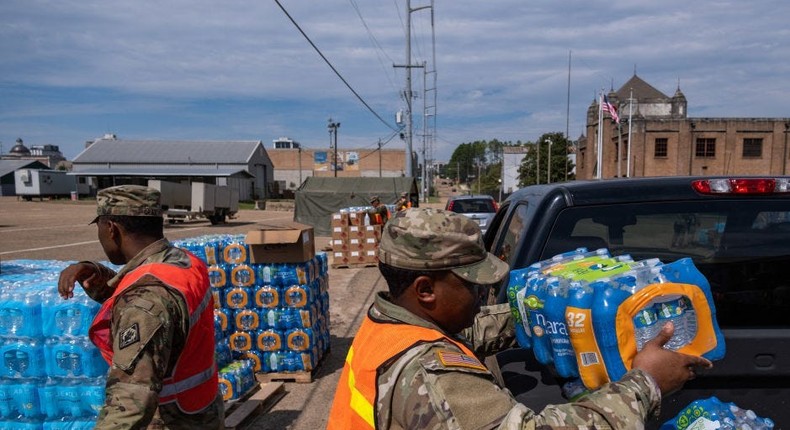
{"x": 457, "y": 359}
{"x": 129, "y": 336}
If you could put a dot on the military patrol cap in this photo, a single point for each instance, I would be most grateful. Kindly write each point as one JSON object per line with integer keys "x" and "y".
{"x": 435, "y": 239}
{"x": 374, "y": 199}
{"x": 128, "y": 200}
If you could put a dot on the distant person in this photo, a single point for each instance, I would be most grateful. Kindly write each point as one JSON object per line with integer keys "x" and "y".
{"x": 408, "y": 367}
{"x": 379, "y": 214}
{"x": 156, "y": 324}
{"x": 403, "y": 202}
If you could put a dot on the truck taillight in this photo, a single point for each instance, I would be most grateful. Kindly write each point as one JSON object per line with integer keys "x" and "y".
{"x": 450, "y": 206}
{"x": 742, "y": 186}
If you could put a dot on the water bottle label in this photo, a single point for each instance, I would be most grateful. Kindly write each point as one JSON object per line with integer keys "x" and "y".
{"x": 588, "y": 357}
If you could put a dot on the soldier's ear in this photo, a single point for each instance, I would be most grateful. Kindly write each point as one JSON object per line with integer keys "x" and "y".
{"x": 424, "y": 289}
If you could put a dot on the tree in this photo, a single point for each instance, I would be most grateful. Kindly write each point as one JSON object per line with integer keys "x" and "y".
{"x": 529, "y": 173}
{"x": 465, "y": 161}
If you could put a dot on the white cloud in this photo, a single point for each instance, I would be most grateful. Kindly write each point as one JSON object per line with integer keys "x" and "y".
{"x": 73, "y": 69}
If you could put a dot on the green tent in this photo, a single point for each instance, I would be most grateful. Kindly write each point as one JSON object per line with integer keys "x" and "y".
{"x": 319, "y": 197}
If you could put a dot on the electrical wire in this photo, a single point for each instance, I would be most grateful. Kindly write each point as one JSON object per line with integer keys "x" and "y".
{"x": 375, "y": 42}
{"x": 334, "y": 69}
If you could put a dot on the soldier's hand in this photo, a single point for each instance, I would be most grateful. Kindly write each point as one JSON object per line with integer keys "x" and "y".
{"x": 668, "y": 368}
{"x": 80, "y": 272}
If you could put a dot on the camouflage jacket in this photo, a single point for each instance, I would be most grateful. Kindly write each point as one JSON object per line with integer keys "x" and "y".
{"x": 418, "y": 391}
{"x": 161, "y": 318}
{"x": 382, "y": 211}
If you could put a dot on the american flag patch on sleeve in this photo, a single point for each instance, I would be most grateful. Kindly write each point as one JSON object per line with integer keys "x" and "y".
{"x": 456, "y": 359}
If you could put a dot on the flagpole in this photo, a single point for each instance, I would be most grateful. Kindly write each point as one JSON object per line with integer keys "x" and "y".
{"x": 628, "y": 152}
{"x": 599, "y": 155}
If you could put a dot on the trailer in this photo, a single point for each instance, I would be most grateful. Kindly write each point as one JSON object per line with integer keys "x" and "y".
{"x": 183, "y": 201}
{"x": 42, "y": 183}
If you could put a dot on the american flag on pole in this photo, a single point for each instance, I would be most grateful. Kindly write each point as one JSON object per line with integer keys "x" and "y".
{"x": 608, "y": 107}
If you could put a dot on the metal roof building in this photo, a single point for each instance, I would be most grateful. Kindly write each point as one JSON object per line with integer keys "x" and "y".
{"x": 7, "y": 169}
{"x": 243, "y": 165}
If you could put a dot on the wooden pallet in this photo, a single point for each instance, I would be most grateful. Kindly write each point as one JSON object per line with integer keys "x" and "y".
{"x": 352, "y": 265}
{"x": 303, "y": 377}
{"x": 258, "y": 400}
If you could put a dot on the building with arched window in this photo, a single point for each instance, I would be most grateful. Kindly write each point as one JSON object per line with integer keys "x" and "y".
{"x": 665, "y": 141}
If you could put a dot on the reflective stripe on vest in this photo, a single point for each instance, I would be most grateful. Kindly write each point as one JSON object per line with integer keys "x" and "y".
{"x": 193, "y": 382}
{"x": 374, "y": 345}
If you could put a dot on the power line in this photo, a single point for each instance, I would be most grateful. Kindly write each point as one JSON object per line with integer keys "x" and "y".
{"x": 375, "y": 42}
{"x": 333, "y": 68}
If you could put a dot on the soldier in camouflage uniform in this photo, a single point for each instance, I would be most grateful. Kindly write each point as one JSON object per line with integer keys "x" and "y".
{"x": 409, "y": 366}
{"x": 149, "y": 320}
{"x": 379, "y": 214}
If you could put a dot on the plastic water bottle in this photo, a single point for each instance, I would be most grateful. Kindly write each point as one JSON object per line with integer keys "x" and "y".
{"x": 266, "y": 274}
{"x": 646, "y": 326}
{"x": 272, "y": 318}
{"x": 93, "y": 396}
{"x": 557, "y": 329}
{"x": 22, "y": 357}
{"x": 747, "y": 419}
{"x": 534, "y": 299}
{"x": 672, "y": 309}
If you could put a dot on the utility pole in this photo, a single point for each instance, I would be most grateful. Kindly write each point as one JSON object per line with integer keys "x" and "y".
{"x": 300, "y": 166}
{"x": 333, "y": 126}
{"x": 548, "y": 173}
{"x": 568, "y": 116}
{"x": 408, "y": 93}
{"x": 537, "y": 164}
{"x": 379, "y": 157}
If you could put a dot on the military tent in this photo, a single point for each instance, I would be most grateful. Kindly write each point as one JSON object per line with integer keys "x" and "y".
{"x": 319, "y": 197}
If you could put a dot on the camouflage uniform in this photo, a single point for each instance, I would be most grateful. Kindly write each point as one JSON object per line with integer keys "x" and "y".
{"x": 418, "y": 389}
{"x": 402, "y": 203}
{"x": 380, "y": 210}
{"x": 147, "y": 311}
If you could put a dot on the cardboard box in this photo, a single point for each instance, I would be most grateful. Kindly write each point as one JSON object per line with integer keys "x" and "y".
{"x": 372, "y": 231}
{"x": 356, "y": 256}
{"x": 370, "y": 243}
{"x": 339, "y": 257}
{"x": 339, "y": 245}
{"x": 355, "y": 243}
{"x": 281, "y": 242}
{"x": 356, "y": 218}
{"x": 340, "y": 232}
{"x": 339, "y": 219}
{"x": 356, "y": 231}
{"x": 370, "y": 256}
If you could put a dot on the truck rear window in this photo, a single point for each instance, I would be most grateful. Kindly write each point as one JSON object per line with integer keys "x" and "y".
{"x": 743, "y": 248}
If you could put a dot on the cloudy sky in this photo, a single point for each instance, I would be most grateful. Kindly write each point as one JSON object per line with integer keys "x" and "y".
{"x": 71, "y": 71}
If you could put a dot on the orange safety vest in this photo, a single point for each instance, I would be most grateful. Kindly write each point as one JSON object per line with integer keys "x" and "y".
{"x": 374, "y": 345}
{"x": 193, "y": 383}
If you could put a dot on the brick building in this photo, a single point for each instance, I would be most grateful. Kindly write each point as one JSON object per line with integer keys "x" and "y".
{"x": 293, "y": 166}
{"x": 666, "y": 142}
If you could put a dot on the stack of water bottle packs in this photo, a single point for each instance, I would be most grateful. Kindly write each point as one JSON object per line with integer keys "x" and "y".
{"x": 269, "y": 318}
{"x": 587, "y": 313}
{"x": 51, "y": 375}
{"x": 712, "y": 413}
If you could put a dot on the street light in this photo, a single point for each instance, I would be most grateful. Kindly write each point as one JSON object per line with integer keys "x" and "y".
{"x": 333, "y": 126}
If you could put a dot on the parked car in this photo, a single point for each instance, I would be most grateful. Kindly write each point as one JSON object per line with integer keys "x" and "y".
{"x": 736, "y": 231}
{"x": 480, "y": 208}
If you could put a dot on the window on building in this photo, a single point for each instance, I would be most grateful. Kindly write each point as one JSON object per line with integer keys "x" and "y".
{"x": 752, "y": 147}
{"x": 661, "y": 148}
{"x": 705, "y": 147}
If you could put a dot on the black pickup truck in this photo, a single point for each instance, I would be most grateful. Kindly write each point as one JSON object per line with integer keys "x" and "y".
{"x": 736, "y": 230}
